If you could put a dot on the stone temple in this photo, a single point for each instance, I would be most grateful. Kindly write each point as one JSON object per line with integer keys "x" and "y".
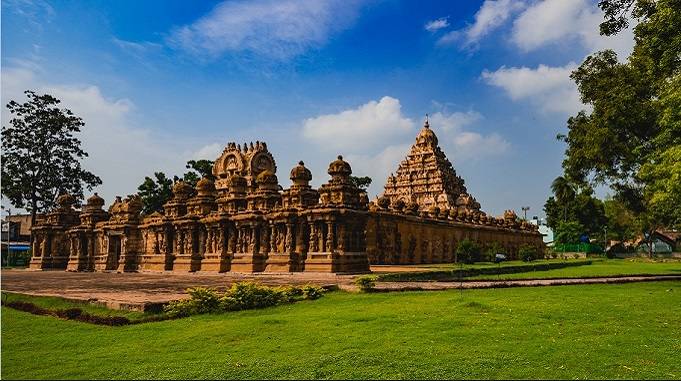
{"x": 244, "y": 222}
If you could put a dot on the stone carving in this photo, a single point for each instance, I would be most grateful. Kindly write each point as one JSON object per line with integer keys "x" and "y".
{"x": 427, "y": 178}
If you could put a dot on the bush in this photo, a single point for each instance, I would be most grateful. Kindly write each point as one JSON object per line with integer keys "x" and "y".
{"x": 241, "y": 296}
{"x": 248, "y": 295}
{"x": 527, "y": 253}
{"x": 491, "y": 251}
{"x": 366, "y": 283}
{"x": 201, "y": 300}
{"x": 468, "y": 251}
{"x": 311, "y": 292}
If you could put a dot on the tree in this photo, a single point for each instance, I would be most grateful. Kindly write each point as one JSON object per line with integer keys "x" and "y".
{"x": 631, "y": 138}
{"x": 621, "y": 222}
{"x": 579, "y": 206}
{"x": 41, "y": 156}
{"x": 564, "y": 191}
{"x": 197, "y": 170}
{"x": 155, "y": 192}
{"x": 468, "y": 251}
{"x": 361, "y": 182}
{"x": 568, "y": 232}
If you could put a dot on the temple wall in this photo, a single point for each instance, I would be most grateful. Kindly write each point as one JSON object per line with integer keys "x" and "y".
{"x": 394, "y": 238}
{"x": 244, "y": 222}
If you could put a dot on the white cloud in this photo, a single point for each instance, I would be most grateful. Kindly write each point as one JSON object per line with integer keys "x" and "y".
{"x": 454, "y": 121}
{"x": 555, "y": 21}
{"x": 378, "y": 166}
{"x": 209, "y": 152}
{"x": 120, "y": 152}
{"x": 474, "y": 145}
{"x": 435, "y": 25}
{"x": 277, "y": 29}
{"x": 368, "y": 125}
{"x": 491, "y": 15}
{"x": 466, "y": 144}
{"x": 550, "y": 88}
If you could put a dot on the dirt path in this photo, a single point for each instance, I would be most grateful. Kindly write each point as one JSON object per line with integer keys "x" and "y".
{"x": 137, "y": 291}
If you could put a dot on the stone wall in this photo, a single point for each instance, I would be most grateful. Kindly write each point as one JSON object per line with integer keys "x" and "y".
{"x": 394, "y": 238}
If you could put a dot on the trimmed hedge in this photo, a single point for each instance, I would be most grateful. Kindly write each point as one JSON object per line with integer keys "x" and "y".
{"x": 453, "y": 275}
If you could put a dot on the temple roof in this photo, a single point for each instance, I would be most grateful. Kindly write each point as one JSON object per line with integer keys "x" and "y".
{"x": 427, "y": 177}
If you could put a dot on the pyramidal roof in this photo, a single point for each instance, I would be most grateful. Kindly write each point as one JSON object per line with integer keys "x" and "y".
{"x": 426, "y": 177}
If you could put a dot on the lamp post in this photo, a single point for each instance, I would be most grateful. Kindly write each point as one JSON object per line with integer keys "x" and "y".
{"x": 525, "y": 209}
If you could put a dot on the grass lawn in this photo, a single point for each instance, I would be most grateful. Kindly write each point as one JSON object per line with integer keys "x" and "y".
{"x": 589, "y": 331}
{"x": 478, "y": 265}
{"x": 606, "y": 267}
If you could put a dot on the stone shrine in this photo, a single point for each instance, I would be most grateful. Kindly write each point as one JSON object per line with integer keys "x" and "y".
{"x": 245, "y": 222}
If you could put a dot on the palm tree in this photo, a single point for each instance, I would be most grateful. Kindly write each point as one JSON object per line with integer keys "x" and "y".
{"x": 565, "y": 192}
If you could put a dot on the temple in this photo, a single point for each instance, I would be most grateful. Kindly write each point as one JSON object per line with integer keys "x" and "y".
{"x": 244, "y": 221}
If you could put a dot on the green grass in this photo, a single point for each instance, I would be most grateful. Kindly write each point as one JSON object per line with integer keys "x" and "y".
{"x": 59, "y": 303}
{"x": 482, "y": 265}
{"x": 452, "y": 271}
{"x": 610, "y": 267}
{"x": 588, "y": 331}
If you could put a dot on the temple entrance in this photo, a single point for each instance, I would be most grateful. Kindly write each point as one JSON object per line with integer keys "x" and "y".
{"x": 114, "y": 252}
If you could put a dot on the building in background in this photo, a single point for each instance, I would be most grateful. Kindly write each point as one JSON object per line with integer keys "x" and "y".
{"x": 16, "y": 240}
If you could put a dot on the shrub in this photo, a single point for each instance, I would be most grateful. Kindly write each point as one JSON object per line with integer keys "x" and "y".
{"x": 491, "y": 251}
{"x": 247, "y": 295}
{"x": 366, "y": 283}
{"x": 311, "y": 292}
{"x": 240, "y": 296}
{"x": 527, "y": 253}
{"x": 201, "y": 300}
{"x": 468, "y": 251}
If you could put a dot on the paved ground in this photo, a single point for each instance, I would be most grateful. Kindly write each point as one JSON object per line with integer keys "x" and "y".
{"x": 133, "y": 290}
{"x": 145, "y": 290}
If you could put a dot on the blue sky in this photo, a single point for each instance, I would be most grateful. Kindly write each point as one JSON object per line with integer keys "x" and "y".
{"x": 162, "y": 82}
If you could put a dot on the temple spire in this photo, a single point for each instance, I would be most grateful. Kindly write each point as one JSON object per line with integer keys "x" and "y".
{"x": 426, "y": 124}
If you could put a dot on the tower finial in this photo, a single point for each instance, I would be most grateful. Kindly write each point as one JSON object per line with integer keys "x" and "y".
{"x": 426, "y": 124}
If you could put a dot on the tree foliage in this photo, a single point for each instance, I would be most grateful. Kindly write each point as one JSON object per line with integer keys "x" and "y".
{"x": 468, "y": 251}
{"x": 568, "y": 232}
{"x": 577, "y": 204}
{"x": 41, "y": 156}
{"x": 631, "y": 139}
{"x": 362, "y": 183}
{"x": 156, "y": 191}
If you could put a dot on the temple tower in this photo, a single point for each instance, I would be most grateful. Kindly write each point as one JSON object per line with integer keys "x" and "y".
{"x": 427, "y": 178}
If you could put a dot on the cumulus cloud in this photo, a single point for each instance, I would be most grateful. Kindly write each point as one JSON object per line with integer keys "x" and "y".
{"x": 366, "y": 126}
{"x": 474, "y": 145}
{"x": 378, "y": 166}
{"x": 276, "y": 29}
{"x": 454, "y": 121}
{"x": 209, "y": 152}
{"x": 553, "y": 21}
{"x": 465, "y": 144}
{"x": 550, "y": 88}
{"x": 435, "y": 25}
{"x": 491, "y": 15}
{"x": 120, "y": 152}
